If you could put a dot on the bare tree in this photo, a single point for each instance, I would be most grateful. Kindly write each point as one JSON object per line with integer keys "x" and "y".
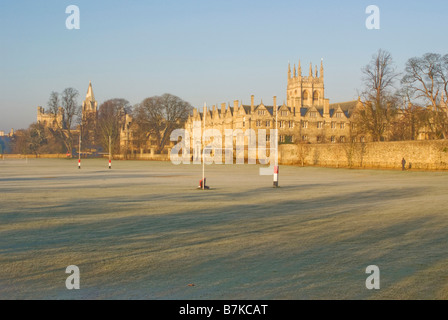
{"x": 64, "y": 105}
{"x": 71, "y": 110}
{"x": 70, "y": 106}
{"x": 110, "y": 117}
{"x": 444, "y": 76}
{"x": 379, "y": 101}
{"x": 53, "y": 103}
{"x": 426, "y": 78}
{"x": 37, "y": 136}
{"x": 20, "y": 141}
{"x": 160, "y": 115}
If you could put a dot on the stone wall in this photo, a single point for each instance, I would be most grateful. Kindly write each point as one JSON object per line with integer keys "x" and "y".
{"x": 423, "y": 155}
{"x": 143, "y": 156}
{"x": 31, "y": 156}
{"x": 429, "y": 154}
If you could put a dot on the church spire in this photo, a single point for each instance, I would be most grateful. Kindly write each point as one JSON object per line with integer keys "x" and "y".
{"x": 315, "y": 71}
{"x": 311, "y": 70}
{"x": 294, "y": 74}
{"x": 321, "y": 68}
{"x": 299, "y": 71}
{"x": 289, "y": 70}
{"x": 89, "y": 95}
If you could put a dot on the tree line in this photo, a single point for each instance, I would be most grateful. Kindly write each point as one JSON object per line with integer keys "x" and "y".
{"x": 400, "y": 105}
{"x": 153, "y": 120}
{"x": 397, "y": 106}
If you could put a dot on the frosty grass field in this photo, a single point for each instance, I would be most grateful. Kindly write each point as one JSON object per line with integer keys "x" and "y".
{"x": 143, "y": 231}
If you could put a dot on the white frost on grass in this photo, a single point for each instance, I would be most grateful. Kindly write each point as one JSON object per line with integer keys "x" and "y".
{"x": 143, "y": 231}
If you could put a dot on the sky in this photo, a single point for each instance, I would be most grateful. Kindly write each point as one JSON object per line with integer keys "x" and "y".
{"x": 203, "y": 51}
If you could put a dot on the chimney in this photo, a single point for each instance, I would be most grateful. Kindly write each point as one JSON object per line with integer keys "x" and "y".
{"x": 326, "y": 108}
{"x": 252, "y": 105}
{"x": 275, "y": 104}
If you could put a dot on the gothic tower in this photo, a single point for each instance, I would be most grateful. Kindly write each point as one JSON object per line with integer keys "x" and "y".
{"x": 305, "y": 91}
{"x": 89, "y": 118}
{"x": 89, "y": 105}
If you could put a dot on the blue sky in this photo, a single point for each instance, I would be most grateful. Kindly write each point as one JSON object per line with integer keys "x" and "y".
{"x": 202, "y": 51}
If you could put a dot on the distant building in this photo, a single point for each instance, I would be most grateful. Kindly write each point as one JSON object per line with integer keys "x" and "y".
{"x": 49, "y": 119}
{"x": 307, "y": 117}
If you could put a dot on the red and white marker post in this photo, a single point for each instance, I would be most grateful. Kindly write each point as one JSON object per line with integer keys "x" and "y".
{"x": 110, "y": 154}
{"x": 79, "y": 153}
{"x": 276, "y": 144}
{"x": 276, "y": 176}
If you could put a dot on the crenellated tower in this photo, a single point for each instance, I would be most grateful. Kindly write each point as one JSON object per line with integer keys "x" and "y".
{"x": 305, "y": 91}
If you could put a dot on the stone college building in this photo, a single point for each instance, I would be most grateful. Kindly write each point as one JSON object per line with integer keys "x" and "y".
{"x": 307, "y": 117}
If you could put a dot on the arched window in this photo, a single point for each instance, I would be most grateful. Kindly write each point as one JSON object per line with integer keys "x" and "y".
{"x": 305, "y": 95}
{"x": 315, "y": 96}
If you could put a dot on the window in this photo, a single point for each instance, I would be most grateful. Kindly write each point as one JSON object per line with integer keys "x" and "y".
{"x": 304, "y": 137}
{"x": 333, "y": 139}
{"x": 258, "y": 123}
{"x": 342, "y": 125}
{"x": 244, "y": 122}
{"x": 315, "y": 96}
{"x": 305, "y": 95}
{"x": 362, "y": 139}
{"x": 319, "y": 139}
{"x": 291, "y": 124}
{"x": 333, "y": 125}
{"x": 284, "y": 113}
{"x": 304, "y": 124}
{"x": 268, "y": 123}
{"x": 320, "y": 125}
{"x": 280, "y": 124}
{"x": 268, "y": 137}
{"x": 338, "y": 114}
{"x": 342, "y": 139}
{"x": 313, "y": 114}
{"x": 261, "y": 112}
{"x": 282, "y": 138}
